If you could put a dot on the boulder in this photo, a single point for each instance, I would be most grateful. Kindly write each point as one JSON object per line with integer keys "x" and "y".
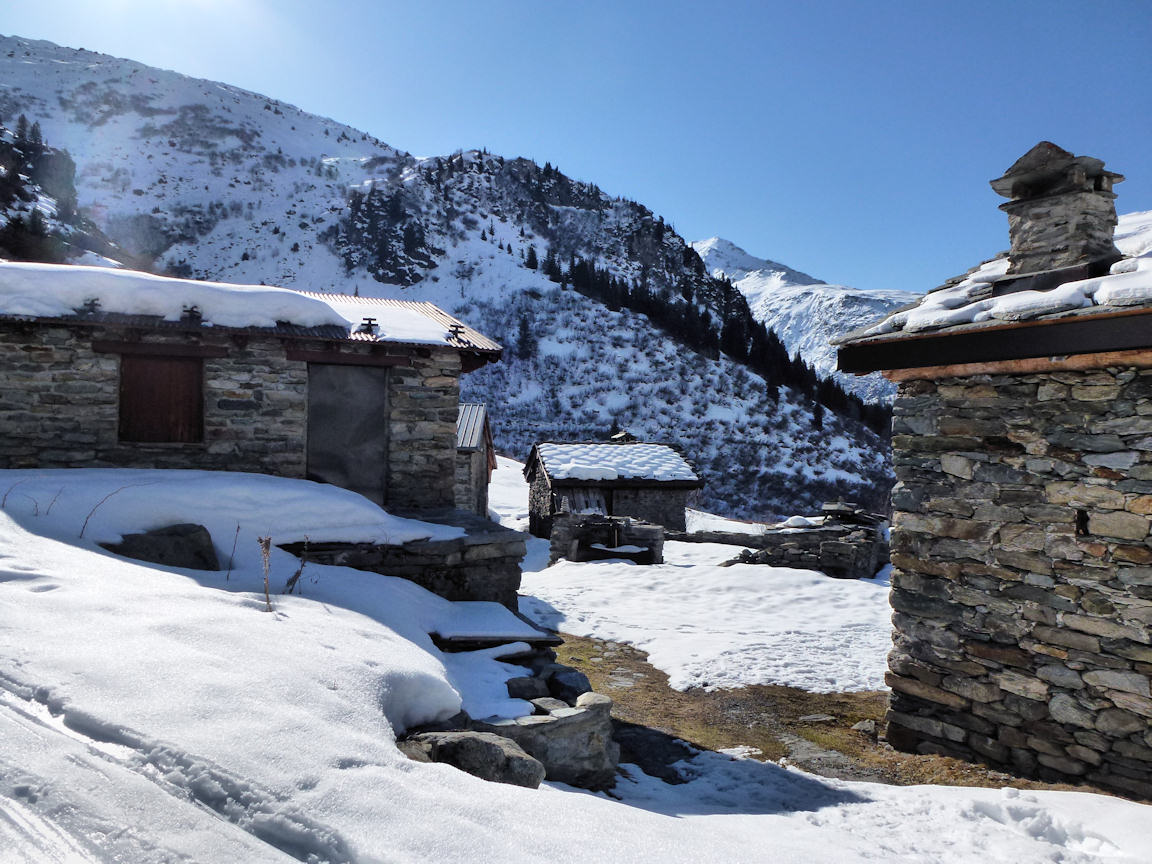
{"x": 527, "y": 688}
{"x": 183, "y": 545}
{"x": 567, "y": 683}
{"x": 575, "y": 744}
{"x": 481, "y": 754}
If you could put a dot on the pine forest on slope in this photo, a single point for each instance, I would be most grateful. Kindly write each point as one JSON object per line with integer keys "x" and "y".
{"x": 610, "y": 317}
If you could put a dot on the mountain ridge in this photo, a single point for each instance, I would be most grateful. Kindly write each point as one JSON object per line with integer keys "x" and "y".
{"x": 586, "y": 289}
{"x": 806, "y": 313}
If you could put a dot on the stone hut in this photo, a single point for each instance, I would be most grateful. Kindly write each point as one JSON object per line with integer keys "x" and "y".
{"x": 106, "y": 368}
{"x": 647, "y": 481}
{"x": 475, "y": 458}
{"x": 1022, "y": 446}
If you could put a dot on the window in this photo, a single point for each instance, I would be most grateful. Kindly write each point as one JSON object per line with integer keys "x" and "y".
{"x": 161, "y": 399}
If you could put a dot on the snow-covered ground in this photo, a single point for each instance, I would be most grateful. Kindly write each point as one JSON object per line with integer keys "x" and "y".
{"x": 712, "y": 626}
{"x": 707, "y": 625}
{"x": 152, "y": 714}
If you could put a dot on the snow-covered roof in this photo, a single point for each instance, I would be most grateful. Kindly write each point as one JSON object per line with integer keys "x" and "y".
{"x": 974, "y": 300}
{"x": 607, "y": 462}
{"x": 33, "y": 290}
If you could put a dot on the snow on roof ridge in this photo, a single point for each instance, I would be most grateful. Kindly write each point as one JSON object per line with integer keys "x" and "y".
{"x": 635, "y": 460}
{"x": 38, "y": 290}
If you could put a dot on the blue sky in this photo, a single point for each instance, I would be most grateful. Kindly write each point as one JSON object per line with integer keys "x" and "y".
{"x": 853, "y": 140}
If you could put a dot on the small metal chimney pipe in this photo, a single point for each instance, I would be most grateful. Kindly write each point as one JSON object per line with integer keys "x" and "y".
{"x": 368, "y": 325}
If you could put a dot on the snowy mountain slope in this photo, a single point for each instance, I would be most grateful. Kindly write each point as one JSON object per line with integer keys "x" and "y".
{"x": 804, "y": 312}
{"x": 38, "y": 218}
{"x": 215, "y": 182}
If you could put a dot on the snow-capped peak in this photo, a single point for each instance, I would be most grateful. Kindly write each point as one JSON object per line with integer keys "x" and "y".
{"x": 724, "y": 258}
{"x": 804, "y": 312}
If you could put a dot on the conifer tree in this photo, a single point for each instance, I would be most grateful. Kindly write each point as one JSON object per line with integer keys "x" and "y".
{"x": 525, "y": 344}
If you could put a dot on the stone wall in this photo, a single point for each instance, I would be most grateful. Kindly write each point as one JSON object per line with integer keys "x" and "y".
{"x": 424, "y": 400}
{"x": 59, "y": 405}
{"x": 842, "y": 549}
{"x": 472, "y": 481}
{"x": 59, "y": 408}
{"x": 1023, "y": 582}
{"x": 483, "y": 565}
{"x": 573, "y": 537}
{"x": 660, "y": 506}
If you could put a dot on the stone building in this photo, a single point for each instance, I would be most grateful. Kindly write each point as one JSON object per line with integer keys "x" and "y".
{"x": 475, "y": 458}
{"x": 114, "y": 368}
{"x": 647, "y": 481}
{"x": 1022, "y": 446}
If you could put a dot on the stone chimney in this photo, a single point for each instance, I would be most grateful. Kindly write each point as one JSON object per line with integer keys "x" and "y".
{"x": 1062, "y": 211}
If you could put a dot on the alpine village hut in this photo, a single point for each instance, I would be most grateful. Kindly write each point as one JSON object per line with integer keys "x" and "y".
{"x": 646, "y": 481}
{"x": 114, "y": 368}
{"x": 1022, "y": 447}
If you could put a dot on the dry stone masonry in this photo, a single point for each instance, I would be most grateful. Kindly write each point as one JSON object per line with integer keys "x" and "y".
{"x": 1022, "y": 446}
{"x": 59, "y": 398}
{"x": 1023, "y": 581}
{"x": 1062, "y": 209}
{"x": 592, "y": 537}
{"x": 848, "y": 544}
{"x": 482, "y": 565}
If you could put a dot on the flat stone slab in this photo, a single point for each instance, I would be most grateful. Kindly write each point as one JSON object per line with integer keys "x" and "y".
{"x": 481, "y": 754}
{"x": 183, "y": 545}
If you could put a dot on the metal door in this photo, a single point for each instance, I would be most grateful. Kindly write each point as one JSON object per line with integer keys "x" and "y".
{"x": 348, "y": 428}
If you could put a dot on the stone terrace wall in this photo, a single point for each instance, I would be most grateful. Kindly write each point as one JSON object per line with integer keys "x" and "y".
{"x": 1023, "y": 582}
{"x": 482, "y": 565}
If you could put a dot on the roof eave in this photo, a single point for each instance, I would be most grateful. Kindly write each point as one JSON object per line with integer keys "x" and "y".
{"x": 1119, "y": 330}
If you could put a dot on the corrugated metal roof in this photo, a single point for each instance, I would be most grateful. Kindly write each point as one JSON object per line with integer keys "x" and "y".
{"x": 460, "y": 335}
{"x": 470, "y": 422}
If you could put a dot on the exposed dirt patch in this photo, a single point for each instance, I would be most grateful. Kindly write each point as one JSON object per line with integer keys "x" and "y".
{"x": 810, "y": 730}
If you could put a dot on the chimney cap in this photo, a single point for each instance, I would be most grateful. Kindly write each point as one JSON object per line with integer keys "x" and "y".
{"x": 1047, "y": 169}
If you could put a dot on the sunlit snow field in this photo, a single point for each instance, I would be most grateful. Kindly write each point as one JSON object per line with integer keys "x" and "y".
{"x": 707, "y": 625}
{"x": 153, "y": 714}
